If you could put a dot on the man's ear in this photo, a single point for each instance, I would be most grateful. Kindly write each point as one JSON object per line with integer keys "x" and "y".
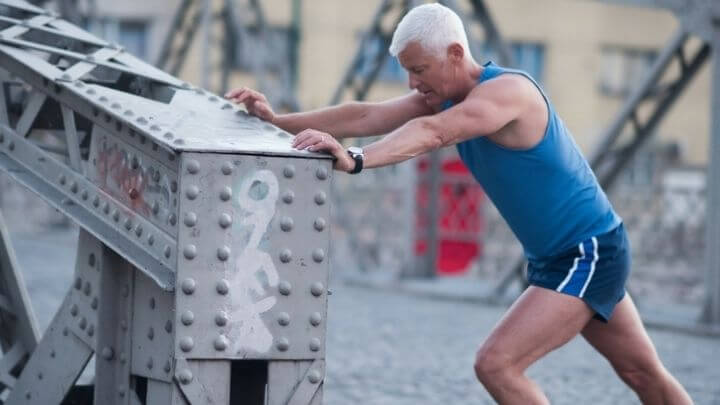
{"x": 455, "y": 52}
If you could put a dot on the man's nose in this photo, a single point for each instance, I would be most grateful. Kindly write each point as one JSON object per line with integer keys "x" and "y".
{"x": 412, "y": 82}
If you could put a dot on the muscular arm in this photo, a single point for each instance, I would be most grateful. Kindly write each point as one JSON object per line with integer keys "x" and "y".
{"x": 487, "y": 109}
{"x": 356, "y": 119}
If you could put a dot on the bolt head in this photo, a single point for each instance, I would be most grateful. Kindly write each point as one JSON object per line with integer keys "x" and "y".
{"x": 315, "y": 344}
{"x": 282, "y": 344}
{"x": 314, "y": 376}
{"x": 222, "y": 287}
{"x": 221, "y": 343}
{"x": 284, "y": 319}
{"x": 226, "y": 194}
{"x": 284, "y": 288}
{"x": 315, "y": 319}
{"x": 185, "y": 376}
{"x": 193, "y": 167}
{"x": 186, "y": 344}
{"x": 221, "y": 318}
{"x": 223, "y": 253}
{"x": 187, "y": 318}
{"x": 318, "y": 255}
{"x": 317, "y": 289}
{"x": 188, "y": 286}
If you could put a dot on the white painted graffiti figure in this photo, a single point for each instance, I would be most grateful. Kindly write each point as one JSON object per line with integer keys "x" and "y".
{"x": 255, "y": 268}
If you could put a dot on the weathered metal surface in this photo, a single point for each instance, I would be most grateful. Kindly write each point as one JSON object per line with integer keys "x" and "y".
{"x": 204, "y": 382}
{"x": 295, "y": 382}
{"x": 253, "y": 270}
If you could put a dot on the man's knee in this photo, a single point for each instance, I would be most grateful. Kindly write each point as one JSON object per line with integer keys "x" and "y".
{"x": 491, "y": 363}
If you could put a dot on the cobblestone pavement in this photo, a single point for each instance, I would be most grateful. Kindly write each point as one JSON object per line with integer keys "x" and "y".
{"x": 386, "y": 348}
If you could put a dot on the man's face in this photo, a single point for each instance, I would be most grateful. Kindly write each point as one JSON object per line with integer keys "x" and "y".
{"x": 427, "y": 73}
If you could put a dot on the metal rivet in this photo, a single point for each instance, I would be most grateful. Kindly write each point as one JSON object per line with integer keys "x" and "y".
{"x": 190, "y": 219}
{"x": 83, "y": 323}
{"x": 187, "y": 318}
{"x": 168, "y": 135}
{"x": 173, "y": 186}
{"x": 222, "y": 287}
{"x": 91, "y": 330}
{"x": 221, "y": 343}
{"x": 128, "y": 113}
{"x": 151, "y": 333}
{"x": 227, "y": 168}
{"x": 285, "y": 255}
{"x": 125, "y": 291}
{"x": 168, "y": 251}
{"x": 188, "y": 286}
{"x": 317, "y": 289}
{"x": 221, "y": 318}
{"x": 314, "y": 376}
{"x": 154, "y": 128}
{"x": 193, "y": 167}
{"x": 286, "y": 224}
{"x": 151, "y": 240}
{"x": 84, "y": 195}
{"x": 91, "y": 260}
{"x": 192, "y": 192}
{"x": 289, "y": 171}
{"x": 179, "y": 142}
{"x": 150, "y": 363}
{"x": 11, "y": 146}
{"x": 284, "y": 288}
{"x": 116, "y": 216}
{"x": 123, "y": 325}
{"x": 314, "y": 344}
{"x": 96, "y": 202}
{"x": 185, "y": 376}
{"x": 152, "y": 302}
{"x": 107, "y": 353}
{"x": 190, "y": 252}
{"x": 74, "y": 187}
{"x": 225, "y": 220}
{"x": 123, "y": 358}
{"x": 319, "y": 224}
{"x": 172, "y": 218}
{"x": 167, "y": 366}
{"x": 52, "y": 354}
{"x": 318, "y": 255}
{"x": 223, "y": 253}
{"x": 74, "y": 310}
{"x": 282, "y": 344}
{"x": 315, "y": 319}
{"x": 87, "y": 288}
{"x": 138, "y": 230}
{"x": 321, "y": 173}
{"x": 186, "y": 344}
{"x": 288, "y": 197}
{"x": 28, "y": 395}
{"x": 284, "y": 319}
{"x": 320, "y": 198}
{"x": 225, "y": 193}
{"x": 128, "y": 224}
{"x": 78, "y": 283}
{"x": 168, "y": 327}
{"x": 115, "y": 106}
{"x": 94, "y": 304}
{"x": 106, "y": 208}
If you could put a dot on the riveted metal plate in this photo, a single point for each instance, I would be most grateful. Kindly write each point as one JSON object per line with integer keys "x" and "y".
{"x": 85, "y": 293}
{"x": 59, "y": 358}
{"x": 295, "y": 382}
{"x": 204, "y": 381}
{"x": 153, "y": 330}
{"x": 136, "y": 179}
{"x": 253, "y": 265}
{"x": 93, "y": 208}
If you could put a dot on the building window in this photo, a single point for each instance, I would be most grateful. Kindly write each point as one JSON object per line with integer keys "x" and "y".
{"x": 622, "y": 68}
{"x": 131, "y": 34}
{"x": 527, "y": 56}
{"x": 276, "y": 50}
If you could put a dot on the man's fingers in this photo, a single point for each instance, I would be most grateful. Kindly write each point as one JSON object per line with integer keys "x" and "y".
{"x": 234, "y": 93}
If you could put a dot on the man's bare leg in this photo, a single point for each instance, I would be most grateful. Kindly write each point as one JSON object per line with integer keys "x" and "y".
{"x": 537, "y": 323}
{"x": 626, "y": 345}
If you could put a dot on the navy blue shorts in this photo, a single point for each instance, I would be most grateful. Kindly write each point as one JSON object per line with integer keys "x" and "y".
{"x": 594, "y": 270}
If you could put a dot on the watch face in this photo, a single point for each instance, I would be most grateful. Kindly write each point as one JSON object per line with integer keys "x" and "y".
{"x": 355, "y": 150}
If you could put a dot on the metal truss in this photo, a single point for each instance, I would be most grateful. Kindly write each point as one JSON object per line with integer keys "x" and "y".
{"x": 675, "y": 67}
{"x": 202, "y": 259}
{"x": 230, "y": 31}
{"x": 357, "y": 81}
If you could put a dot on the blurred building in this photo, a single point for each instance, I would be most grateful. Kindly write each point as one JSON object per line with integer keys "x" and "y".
{"x": 586, "y": 54}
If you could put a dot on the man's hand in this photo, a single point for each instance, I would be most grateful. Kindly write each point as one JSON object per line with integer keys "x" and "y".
{"x": 317, "y": 141}
{"x": 254, "y": 101}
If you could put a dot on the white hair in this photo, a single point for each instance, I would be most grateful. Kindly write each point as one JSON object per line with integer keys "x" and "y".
{"x": 433, "y": 26}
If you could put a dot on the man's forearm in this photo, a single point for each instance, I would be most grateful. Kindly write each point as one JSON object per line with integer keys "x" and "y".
{"x": 342, "y": 121}
{"x": 415, "y": 138}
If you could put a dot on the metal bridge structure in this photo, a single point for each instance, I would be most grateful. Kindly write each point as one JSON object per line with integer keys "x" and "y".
{"x": 231, "y": 30}
{"x": 202, "y": 263}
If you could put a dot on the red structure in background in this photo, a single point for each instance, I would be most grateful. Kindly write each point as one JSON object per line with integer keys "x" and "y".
{"x": 460, "y": 216}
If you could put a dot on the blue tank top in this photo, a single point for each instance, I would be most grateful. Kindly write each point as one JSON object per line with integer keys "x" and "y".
{"x": 548, "y": 194}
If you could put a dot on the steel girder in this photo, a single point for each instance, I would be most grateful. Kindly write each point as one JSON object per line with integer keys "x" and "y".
{"x": 242, "y": 26}
{"x": 167, "y": 182}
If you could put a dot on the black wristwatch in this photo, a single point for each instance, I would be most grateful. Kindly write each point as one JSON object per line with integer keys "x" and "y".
{"x": 357, "y": 155}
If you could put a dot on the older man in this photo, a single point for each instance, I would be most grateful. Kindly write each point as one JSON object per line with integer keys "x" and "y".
{"x": 517, "y": 147}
